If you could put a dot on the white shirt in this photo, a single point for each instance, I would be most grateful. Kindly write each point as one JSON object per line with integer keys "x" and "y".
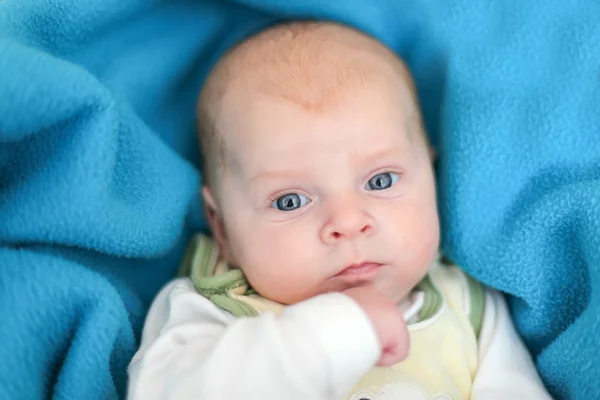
{"x": 317, "y": 349}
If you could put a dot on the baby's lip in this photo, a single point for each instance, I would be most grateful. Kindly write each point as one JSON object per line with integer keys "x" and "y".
{"x": 360, "y": 270}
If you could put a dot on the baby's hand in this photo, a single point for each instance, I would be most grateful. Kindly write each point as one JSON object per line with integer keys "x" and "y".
{"x": 388, "y": 322}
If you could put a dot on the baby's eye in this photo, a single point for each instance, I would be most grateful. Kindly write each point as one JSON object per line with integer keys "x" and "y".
{"x": 382, "y": 181}
{"x": 290, "y": 202}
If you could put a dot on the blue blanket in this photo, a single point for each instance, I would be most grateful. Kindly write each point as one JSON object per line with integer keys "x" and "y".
{"x": 99, "y": 190}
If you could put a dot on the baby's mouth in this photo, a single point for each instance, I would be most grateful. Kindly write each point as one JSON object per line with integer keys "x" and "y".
{"x": 360, "y": 271}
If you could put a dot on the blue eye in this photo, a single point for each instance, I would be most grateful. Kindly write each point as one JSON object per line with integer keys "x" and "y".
{"x": 290, "y": 202}
{"x": 382, "y": 181}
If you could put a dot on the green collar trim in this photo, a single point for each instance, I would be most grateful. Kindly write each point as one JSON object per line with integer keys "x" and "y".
{"x": 201, "y": 263}
{"x": 477, "y": 304}
{"x": 234, "y": 306}
{"x": 432, "y": 299}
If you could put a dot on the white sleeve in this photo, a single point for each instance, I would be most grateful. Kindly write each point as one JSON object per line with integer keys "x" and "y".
{"x": 317, "y": 349}
{"x": 506, "y": 370}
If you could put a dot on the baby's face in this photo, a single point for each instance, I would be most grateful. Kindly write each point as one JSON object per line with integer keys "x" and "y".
{"x": 315, "y": 202}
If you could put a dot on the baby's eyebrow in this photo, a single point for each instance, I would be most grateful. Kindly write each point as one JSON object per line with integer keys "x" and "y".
{"x": 385, "y": 153}
{"x": 276, "y": 175}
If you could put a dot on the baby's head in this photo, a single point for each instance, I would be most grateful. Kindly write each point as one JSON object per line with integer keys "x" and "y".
{"x": 318, "y": 173}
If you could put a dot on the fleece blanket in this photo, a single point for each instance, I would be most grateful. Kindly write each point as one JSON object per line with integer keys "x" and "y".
{"x": 99, "y": 185}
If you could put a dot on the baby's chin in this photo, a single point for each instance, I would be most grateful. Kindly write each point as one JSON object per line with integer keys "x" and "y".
{"x": 395, "y": 293}
{"x": 397, "y": 288}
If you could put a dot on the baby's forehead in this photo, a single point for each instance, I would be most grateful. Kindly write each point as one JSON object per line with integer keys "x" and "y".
{"x": 250, "y": 117}
{"x": 267, "y": 123}
{"x": 309, "y": 63}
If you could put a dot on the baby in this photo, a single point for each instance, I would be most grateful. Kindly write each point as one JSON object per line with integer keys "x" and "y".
{"x": 320, "y": 195}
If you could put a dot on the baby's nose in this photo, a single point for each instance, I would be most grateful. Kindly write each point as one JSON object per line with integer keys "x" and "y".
{"x": 347, "y": 221}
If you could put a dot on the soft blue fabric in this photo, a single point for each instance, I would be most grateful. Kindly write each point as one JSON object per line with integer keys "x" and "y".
{"x": 98, "y": 189}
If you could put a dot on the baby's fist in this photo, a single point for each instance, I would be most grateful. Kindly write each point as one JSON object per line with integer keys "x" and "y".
{"x": 388, "y": 322}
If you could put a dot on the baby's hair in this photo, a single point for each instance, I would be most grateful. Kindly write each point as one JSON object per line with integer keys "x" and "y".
{"x": 311, "y": 64}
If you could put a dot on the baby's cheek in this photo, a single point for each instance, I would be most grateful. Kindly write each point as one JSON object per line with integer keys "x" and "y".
{"x": 430, "y": 238}
{"x": 284, "y": 264}
{"x": 279, "y": 285}
{"x": 264, "y": 268}
{"x": 283, "y": 279}
{"x": 424, "y": 230}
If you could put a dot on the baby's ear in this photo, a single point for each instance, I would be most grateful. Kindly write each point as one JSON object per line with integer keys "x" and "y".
{"x": 215, "y": 221}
